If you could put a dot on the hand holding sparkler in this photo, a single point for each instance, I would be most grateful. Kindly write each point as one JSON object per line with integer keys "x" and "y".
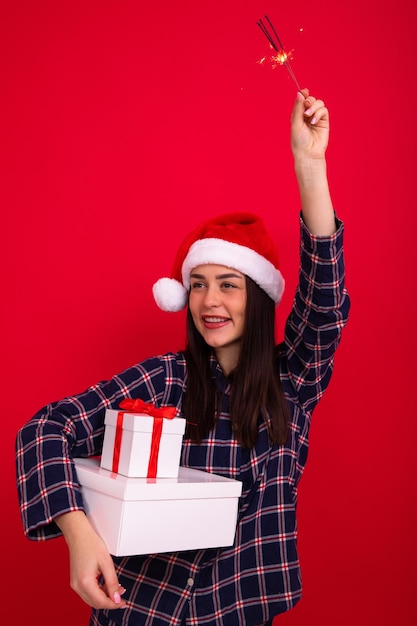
{"x": 309, "y": 127}
{"x": 309, "y": 140}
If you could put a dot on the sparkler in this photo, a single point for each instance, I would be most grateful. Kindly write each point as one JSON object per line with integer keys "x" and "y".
{"x": 281, "y": 57}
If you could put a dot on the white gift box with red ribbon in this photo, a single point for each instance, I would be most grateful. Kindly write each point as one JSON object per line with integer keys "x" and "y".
{"x": 142, "y": 441}
{"x": 193, "y": 511}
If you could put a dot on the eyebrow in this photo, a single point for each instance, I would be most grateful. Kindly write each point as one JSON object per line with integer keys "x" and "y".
{"x": 219, "y": 276}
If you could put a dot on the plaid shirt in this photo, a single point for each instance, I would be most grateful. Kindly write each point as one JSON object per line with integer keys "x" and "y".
{"x": 259, "y": 576}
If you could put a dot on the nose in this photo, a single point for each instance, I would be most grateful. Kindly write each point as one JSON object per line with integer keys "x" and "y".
{"x": 212, "y": 296}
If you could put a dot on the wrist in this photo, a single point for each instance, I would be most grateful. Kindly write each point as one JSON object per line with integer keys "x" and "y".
{"x": 310, "y": 171}
{"x": 72, "y": 524}
{"x": 309, "y": 163}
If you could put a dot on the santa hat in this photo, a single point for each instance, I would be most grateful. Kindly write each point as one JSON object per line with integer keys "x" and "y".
{"x": 237, "y": 240}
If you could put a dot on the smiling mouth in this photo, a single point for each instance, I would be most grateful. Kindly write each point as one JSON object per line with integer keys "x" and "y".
{"x": 214, "y": 321}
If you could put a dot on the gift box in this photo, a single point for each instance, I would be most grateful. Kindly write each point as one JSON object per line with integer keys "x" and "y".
{"x": 142, "y": 516}
{"x": 141, "y": 440}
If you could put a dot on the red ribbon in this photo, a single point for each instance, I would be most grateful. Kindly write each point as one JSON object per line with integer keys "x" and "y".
{"x": 117, "y": 442}
{"x": 137, "y": 405}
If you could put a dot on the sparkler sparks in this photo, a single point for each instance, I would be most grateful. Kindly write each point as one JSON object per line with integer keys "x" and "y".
{"x": 281, "y": 57}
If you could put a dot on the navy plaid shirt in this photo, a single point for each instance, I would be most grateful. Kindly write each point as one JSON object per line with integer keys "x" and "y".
{"x": 259, "y": 576}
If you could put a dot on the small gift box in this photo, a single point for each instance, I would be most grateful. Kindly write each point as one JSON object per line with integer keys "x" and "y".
{"x": 142, "y": 441}
{"x": 140, "y": 516}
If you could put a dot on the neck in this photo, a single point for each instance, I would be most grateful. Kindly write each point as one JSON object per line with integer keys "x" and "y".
{"x": 227, "y": 358}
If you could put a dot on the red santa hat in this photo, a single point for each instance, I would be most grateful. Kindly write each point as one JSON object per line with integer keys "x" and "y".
{"x": 237, "y": 240}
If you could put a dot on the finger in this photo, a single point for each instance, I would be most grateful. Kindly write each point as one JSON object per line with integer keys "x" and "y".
{"x": 99, "y": 599}
{"x": 302, "y": 95}
{"x": 122, "y": 589}
{"x": 116, "y": 595}
{"x": 94, "y": 595}
{"x": 312, "y": 106}
{"x": 110, "y": 582}
{"x": 97, "y": 596}
{"x": 299, "y": 106}
{"x": 309, "y": 101}
{"x": 316, "y": 111}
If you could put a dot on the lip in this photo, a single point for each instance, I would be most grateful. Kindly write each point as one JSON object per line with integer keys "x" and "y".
{"x": 213, "y": 321}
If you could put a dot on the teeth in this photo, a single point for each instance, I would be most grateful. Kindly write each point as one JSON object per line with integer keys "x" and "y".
{"x": 215, "y": 319}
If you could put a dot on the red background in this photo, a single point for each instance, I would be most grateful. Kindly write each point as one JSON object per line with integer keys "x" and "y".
{"x": 125, "y": 123}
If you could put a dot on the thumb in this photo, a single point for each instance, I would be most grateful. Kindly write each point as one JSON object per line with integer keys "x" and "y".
{"x": 111, "y": 584}
{"x": 299, "y": 105}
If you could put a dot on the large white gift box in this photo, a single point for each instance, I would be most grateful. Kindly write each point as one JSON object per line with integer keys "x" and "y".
{"x": 142, "y": 445}
{"x": 142, "y": 516}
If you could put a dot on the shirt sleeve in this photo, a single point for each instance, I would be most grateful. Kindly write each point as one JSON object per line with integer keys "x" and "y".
{"x": 74, "y": 427}
{"x": 319, "y": 313}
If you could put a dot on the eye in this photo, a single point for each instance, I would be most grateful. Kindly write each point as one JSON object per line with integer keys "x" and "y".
{"x": 228, "y": 286}
{"x": 197, "y": 285}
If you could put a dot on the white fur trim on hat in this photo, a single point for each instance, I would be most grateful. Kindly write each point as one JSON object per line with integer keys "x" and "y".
{"x": 169, "y": 294}
{"x": 246, "y": 260}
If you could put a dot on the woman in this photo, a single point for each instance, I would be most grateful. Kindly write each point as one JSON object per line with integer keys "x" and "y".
{"x": 247, "y": 404}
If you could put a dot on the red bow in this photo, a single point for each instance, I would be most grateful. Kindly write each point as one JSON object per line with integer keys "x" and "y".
{"x": 139, "y": 406}
{"x": 130, "y": 405}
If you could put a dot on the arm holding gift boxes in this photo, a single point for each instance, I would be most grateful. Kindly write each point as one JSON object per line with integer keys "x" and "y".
{"x": 227, "y": 272}
{"x": 74, "y": 427}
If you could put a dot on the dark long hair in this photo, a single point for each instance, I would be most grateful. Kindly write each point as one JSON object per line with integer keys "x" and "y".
{"x": 256, "y": 388}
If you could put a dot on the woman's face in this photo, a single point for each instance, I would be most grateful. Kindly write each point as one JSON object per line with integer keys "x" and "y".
{"x": 217, "y": 304}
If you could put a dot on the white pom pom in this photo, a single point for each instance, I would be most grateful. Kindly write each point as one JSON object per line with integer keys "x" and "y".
{"x": 169, "y": 294}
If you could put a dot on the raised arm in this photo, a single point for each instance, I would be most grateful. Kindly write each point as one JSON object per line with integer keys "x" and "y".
{"x": 321, "y": 304}
{"x": 309, "y": 140}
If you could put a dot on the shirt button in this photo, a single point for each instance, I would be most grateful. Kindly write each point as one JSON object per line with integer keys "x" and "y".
{"x": 190, "y": 582}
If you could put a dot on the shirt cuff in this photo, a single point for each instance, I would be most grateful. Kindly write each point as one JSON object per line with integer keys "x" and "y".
{"x": 315, "y": 243}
